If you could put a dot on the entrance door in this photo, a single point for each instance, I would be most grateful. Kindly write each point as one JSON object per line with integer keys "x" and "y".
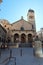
{"x": 30, "y": 39}
{"x": 23, "y": 38}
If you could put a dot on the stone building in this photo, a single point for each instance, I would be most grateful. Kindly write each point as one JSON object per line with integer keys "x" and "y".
{"x": 40, "y": 34}
{"x": 3, "y": 33}
{"x": 21, "y": 31}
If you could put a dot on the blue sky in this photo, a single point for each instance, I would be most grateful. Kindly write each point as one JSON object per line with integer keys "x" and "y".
{"x": 12, "y": 10}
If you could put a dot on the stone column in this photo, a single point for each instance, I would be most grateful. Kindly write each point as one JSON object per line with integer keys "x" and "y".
{"x": 12, "y": 39}
{"x": 19, "y": 38}
{"x": 26, "y": 38}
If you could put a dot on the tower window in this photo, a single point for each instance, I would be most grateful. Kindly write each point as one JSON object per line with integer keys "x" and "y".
{"x": 5, "y": 25}
{"x": 30, "y": 17}
{"x": 8, "y": 28}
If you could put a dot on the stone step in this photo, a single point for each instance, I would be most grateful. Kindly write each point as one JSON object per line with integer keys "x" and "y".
{"x": 11, "y": 61}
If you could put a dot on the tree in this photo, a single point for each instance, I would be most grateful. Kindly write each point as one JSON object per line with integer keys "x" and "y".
{"x": 1, "y": 1}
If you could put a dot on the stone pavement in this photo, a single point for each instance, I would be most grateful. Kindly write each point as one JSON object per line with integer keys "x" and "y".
{"x": 19, "y": 56}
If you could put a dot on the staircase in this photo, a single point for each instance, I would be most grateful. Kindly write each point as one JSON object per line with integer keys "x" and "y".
{"x": 12, "y": 61}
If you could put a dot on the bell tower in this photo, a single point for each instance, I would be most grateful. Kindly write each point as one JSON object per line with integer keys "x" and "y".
{"x": 31, "y": 18}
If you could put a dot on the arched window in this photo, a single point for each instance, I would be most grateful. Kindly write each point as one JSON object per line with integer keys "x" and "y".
{"x": 5, "y": 25}
{"x": 31, "y": 17}
{"x": 22, "y": 28}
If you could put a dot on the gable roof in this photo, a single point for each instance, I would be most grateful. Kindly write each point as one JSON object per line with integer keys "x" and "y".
{"x": 21, "y": 23}
{"x": 21, "y": 20}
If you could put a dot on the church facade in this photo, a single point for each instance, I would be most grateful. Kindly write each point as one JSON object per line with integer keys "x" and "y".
{"x": 22, "y": 31}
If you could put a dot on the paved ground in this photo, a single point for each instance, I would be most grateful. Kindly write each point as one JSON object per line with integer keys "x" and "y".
{"x": 19, "y": 56}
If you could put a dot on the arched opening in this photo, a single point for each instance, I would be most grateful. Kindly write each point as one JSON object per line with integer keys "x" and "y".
{"x": 23, "y": 38}
{"x": 30, "y": 39}
{"x": 8, "y": 39}
{"x": 16, "y": 38}
{"x": 0, "y": 39}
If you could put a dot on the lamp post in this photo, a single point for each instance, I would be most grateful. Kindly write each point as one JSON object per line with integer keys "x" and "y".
{"x": 21, "y": 52}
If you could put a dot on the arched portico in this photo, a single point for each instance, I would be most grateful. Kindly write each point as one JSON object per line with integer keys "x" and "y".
{"x": 16, "y": 37}
{"x": 30, "y": 38}
{"x": 23, "y": 38}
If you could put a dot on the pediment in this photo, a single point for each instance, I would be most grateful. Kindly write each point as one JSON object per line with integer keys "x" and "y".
{"x": 21, "y": 24}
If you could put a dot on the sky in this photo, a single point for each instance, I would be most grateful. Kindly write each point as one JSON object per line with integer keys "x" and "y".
{"x": 12, "y": 10}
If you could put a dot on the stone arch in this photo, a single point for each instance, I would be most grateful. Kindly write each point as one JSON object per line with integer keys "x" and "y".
{"x": 0, "y": 39}
{"x": 23, "y": 38}
{"x": 30, "y": 37}
{"x": 16, "y": 37}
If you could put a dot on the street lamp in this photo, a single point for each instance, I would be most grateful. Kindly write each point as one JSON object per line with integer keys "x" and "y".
{"x": 21, "y": 52}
